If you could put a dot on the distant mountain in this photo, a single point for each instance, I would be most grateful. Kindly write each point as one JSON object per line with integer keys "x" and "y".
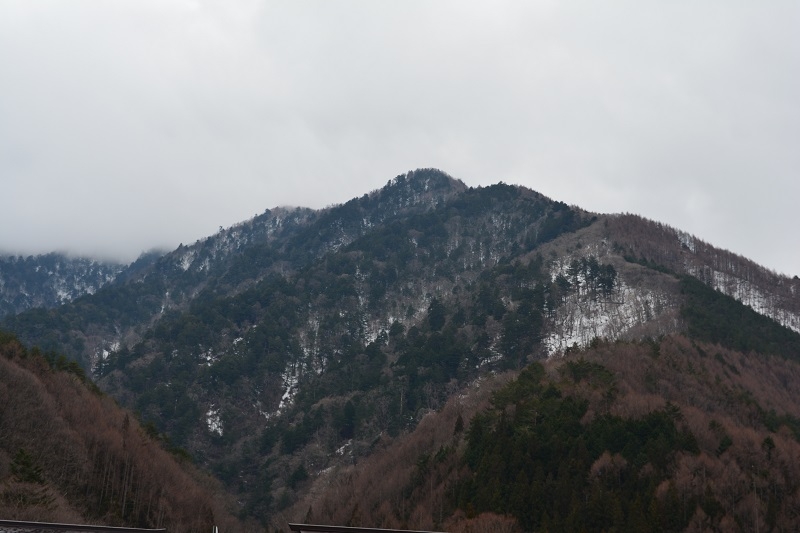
{"x": 49, "y": 280}
{"x": 297, "y": 342}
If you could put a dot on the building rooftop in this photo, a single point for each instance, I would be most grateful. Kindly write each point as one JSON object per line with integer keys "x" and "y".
{"x": 19, "y": 526}
{"x": 317, "y": 528}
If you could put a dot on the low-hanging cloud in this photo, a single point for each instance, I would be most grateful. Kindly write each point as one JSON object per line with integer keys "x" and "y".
{"x": 135, "y": 124}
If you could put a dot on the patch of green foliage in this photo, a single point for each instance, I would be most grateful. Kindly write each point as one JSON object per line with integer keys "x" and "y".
{"x": 647, "y": 263}
{"x": 532, "y": 456}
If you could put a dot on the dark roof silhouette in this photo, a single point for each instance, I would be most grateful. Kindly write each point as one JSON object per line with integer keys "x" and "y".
{"x": 23, "y": 526}
{"x": 318, "y": 528}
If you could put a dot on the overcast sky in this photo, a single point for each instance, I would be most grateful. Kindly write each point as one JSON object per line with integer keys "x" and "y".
{"x": 132, "y": 124}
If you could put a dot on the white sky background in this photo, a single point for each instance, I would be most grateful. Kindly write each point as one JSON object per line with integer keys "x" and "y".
{"x": 132, "y": 124}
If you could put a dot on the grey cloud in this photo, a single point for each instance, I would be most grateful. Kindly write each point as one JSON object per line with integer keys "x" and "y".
{"x": 134, "y": 124}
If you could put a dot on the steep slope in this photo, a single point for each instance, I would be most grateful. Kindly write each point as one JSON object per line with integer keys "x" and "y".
{"x": 765, "y": 291}
{"x": 643, "y": 301}
{"x": 69, "y": 454}
{"x": 49, "y": 280}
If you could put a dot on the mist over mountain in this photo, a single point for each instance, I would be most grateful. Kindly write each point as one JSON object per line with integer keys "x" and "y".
{"x": 287, "y": 350}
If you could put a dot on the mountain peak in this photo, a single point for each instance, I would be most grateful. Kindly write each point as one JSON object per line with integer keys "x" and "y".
{"x": 424, "y": 180}
{"x": 421, "y": 187}
{"x": 427, "y": 179}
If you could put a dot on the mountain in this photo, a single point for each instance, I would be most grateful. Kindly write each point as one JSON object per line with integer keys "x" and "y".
{"x": 49, "y": 280}
{"x": 303, "y": 341}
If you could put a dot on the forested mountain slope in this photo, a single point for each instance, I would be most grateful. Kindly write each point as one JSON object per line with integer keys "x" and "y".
{"x": 666, "y": 435}
{"x": 297, "y": 342}
{"x": 280, "y": 240}
{"x": 69, "y": 454}
{"x": 765, "y": 291}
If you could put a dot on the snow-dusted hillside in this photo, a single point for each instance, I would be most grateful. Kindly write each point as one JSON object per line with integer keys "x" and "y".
{"x": 631, "y": 312}
{"x": 50, "y": 280}
{"x": 750, "y": 292}
{"x": 765, "y": 291}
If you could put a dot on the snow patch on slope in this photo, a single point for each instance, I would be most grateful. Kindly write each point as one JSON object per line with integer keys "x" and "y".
{"x": 214, "y": 421}
{"x": 580, "y": 319}
{"x": 290, "y": 379}
{"x": 187, "y": 259}
{"x": 687, "y": 241}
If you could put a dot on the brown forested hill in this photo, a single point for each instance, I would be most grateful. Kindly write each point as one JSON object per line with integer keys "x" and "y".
{"x": 672, "y": 435}
{"x": 69, "y": 454}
